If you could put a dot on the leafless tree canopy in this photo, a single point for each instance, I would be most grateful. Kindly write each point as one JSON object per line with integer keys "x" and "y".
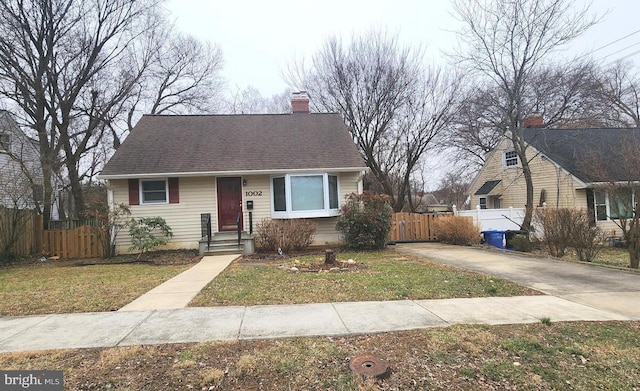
{"x": 251, "y": 101}
{"x": 505, "y": 42}
{"x": 395, "y": 107}
{"x": 71, "y": 68}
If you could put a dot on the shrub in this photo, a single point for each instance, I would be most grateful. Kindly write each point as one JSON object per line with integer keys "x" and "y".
{"x": 456, "y": 230}
{"x": 557, "y": 229}
{"x": 521, "y": 243}
{"x": 365, "y": 221}
{"x": 148, "y": 232}
{"x": 586, "y": 238}
{"x": 295, "y": 234}
{"x": 569, "y": 228}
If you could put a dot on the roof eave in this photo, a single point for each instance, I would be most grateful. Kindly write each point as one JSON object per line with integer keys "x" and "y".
{"x": 230, "y": 173}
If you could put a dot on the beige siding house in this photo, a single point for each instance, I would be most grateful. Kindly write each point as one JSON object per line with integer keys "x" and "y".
{"x": 559, "y": 178}
{"x": 230, "y": 167}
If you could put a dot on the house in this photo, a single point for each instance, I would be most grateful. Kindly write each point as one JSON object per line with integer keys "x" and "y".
{"x": 236, "y": 168}
{"x": 20, "y": 173}
{"x": 560, "y": 176}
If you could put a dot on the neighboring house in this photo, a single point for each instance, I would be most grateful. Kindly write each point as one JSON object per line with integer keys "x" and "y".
{"x": 278, "y": 166}
{"x": 20, "y": 173}
{"x": 559, "y": 177}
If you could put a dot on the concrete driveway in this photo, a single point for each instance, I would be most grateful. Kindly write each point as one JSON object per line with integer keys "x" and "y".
{"x": 606, "y": 289}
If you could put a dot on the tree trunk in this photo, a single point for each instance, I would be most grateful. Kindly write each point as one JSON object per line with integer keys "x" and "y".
{"x": 528, "y": 214}
{"x": 633, "y": 243}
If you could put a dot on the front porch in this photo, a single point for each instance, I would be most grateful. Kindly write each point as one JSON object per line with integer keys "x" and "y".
{"x": 227, "y": 243}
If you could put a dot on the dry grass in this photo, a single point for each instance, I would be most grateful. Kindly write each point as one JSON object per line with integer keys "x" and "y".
{"x": 580, "y": 356}
{"x": 607, "y": 256}
{"x": 380, "y": 276}
{"x": 62, "y": 287}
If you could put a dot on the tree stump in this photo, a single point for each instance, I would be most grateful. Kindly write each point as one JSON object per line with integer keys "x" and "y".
{"x": 329, "y": 257}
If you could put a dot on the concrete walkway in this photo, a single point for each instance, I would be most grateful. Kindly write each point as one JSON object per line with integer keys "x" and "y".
{"x": 607, "y": 289}
{"x": 181, "y": 289}
{"x": 155, "y": 324}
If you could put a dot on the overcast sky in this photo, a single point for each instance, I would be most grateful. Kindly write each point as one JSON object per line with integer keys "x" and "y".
{"x": 258, "y": 37}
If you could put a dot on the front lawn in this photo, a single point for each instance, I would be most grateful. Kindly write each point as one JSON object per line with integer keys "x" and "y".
{"x": 559, "y": 356}
{"x": 382, "y": 275}
{"x": 608, "y": 256}
{"x": 62, "y": 287}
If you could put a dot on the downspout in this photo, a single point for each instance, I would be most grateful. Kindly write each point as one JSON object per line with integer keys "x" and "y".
{"x": 111, "y": 207}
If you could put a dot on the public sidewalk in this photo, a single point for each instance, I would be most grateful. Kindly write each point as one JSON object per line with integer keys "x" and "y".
{"x": 123, "y": 328}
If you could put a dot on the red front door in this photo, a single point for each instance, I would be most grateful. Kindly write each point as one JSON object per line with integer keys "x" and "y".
{"x": 229, "y": 203}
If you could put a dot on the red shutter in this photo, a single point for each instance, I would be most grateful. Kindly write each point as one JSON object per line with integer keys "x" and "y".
{"x": 134, "y": 192}
{"x": 174, "y": 191}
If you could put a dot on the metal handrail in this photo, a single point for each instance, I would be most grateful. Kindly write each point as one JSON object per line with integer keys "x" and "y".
{"x": 238, "y": 220}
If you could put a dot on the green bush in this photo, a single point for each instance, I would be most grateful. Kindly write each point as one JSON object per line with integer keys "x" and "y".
{"x": 294, "y": 234}
{"x": 148, "y": 232}
{"x": 456, "y": 230}
{"x": 365, "y": 221}
{"x": 521, "y": 243}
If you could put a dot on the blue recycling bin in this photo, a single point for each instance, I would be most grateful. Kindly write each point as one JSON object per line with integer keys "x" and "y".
{"x": 494, "y": 238}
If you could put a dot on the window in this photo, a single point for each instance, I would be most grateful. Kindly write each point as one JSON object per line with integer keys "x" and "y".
{"x": 495, "y": 202}
{"x": 510, "y": 159}
{"x": 153, "y": 192}
{"x": 483, "y": 203}
{"x": 620, "y": 204}
{"x": 608, "y": 206}
{"x": 600, "y": 204}
{"x": 5, "y": 142}
{"x": 313, "y": 195}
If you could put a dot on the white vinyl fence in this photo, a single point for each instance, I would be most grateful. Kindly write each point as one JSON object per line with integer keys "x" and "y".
{"x": 494, "y": 219}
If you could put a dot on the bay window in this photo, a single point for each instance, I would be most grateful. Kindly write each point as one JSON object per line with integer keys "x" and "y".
{"x": 305, "y": 195}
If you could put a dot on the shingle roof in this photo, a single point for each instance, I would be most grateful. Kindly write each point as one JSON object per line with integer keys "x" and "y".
{"x": 180, "y": 144}
{"x": 487, "y": 187}
{"x": 568, "y": 147}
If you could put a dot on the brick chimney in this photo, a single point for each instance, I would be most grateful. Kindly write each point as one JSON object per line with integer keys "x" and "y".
{"x": 300, "y": 102}
{"x": 533, "y": 121}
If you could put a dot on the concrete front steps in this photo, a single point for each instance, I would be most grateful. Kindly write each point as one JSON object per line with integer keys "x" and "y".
{"x": 227, "y": 243}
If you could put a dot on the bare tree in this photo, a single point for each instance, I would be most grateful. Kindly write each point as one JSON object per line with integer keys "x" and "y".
{"x": 452, "y": 189}
{"x": 394, "y": 107}
{"x": 506, "y": 41}
{"x": 618, "y": 90}
{"x": 251, "y": 101}
{"x": 78, "y": 72}
{"x": 54, "y": 58}
{"x": 183, "y": 76}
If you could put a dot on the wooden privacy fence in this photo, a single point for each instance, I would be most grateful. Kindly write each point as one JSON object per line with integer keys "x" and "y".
{"x": 82, "y": 242}
{"x": 413, "y": 226}
{"x": 29, "y": 227}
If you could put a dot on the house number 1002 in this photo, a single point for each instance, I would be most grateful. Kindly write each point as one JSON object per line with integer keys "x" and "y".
{"x": 256, "y": 193}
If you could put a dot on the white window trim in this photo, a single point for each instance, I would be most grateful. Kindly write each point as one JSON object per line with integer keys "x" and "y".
{"x": 166, "y": 192}
{"x": 607, "y": 204}
{"x": 289, "y": 214}
{"x": 504, "y": 159}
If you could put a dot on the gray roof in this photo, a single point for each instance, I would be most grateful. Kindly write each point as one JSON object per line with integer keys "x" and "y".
{"x": 570, "y": 147}
{"x": 487, "y": 187}
{"x": 192, "y": 144}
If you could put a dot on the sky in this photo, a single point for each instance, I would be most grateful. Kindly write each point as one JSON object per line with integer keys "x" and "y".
{"x": 260, "y": 37}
